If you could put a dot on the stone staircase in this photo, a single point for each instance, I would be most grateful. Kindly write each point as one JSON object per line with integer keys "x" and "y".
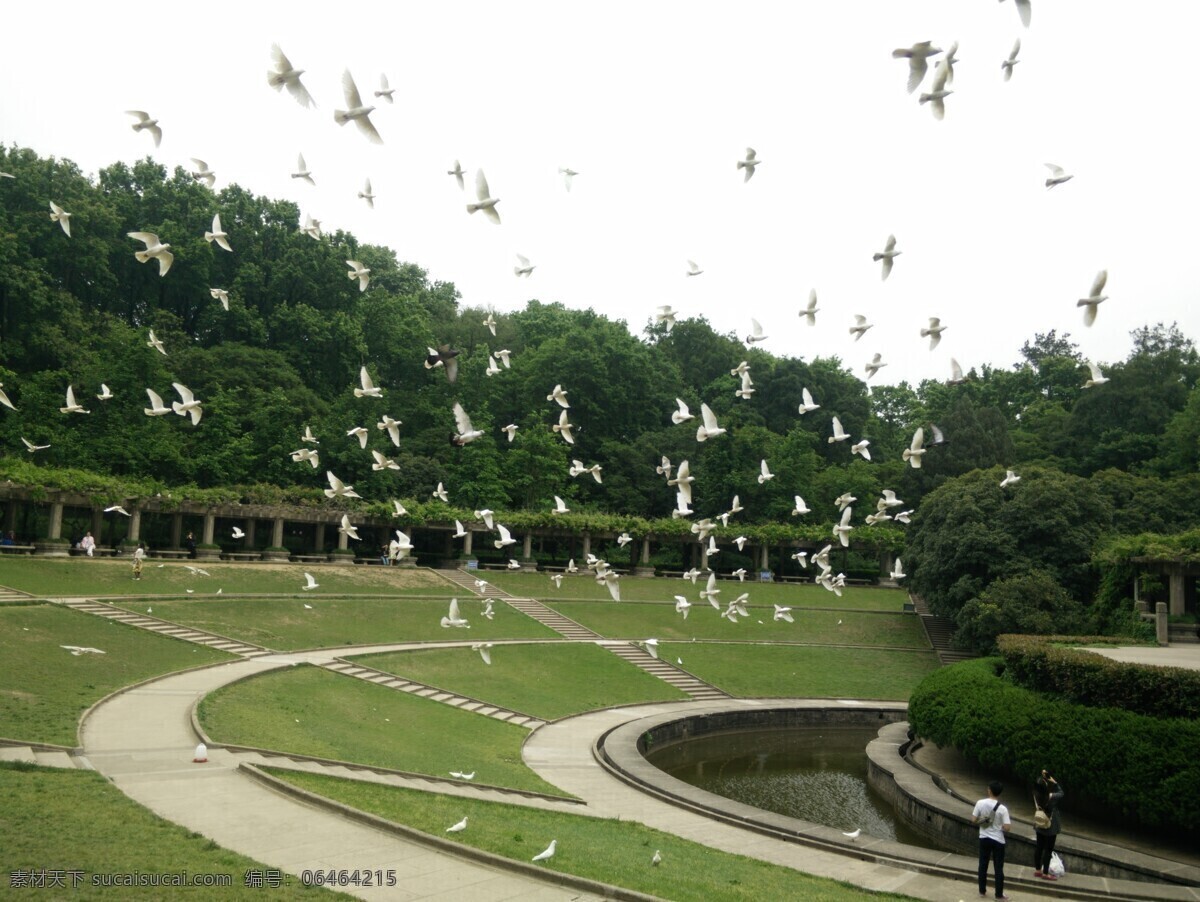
{"x": 43, "y": 755}
{"x": 668, "y": 673}
{"x": 7, "y": 594}
{"x": 465, "y": 579}
{"x": 164, "y": 627}
{"x": 940, "y": 631}
{"x": 564, "y": 626}
{"x": 434, "y": 694}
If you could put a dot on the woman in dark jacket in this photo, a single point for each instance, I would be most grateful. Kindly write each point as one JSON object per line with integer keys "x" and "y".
{"x": 1047, "y": 794}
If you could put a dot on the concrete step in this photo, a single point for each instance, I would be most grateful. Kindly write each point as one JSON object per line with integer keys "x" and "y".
{"x": 17, "y": 753}
{"x": 667, "y": 672}
{"x": 54, "y": 759}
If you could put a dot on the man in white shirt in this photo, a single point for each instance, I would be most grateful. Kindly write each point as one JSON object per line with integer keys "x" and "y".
{"x": 993, "y": 820}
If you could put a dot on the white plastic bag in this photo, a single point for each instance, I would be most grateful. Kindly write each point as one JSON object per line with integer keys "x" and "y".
{"x": 1056, "y": 865}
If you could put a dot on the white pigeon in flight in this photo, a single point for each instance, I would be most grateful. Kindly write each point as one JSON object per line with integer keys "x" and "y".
{"x": 860, "y": 448}
{"x": 441, "y": 494}
{"x": 457, "y": 172}
{"x": 145, "y": 123}
{"x": 486, "y": 516}
{"x": 359, "y": 113}
{"x": 756, "y": 332}
{"x": 839, "y": 434}
{"x": 664, "y": 468}
{"x": 510, "y": 430}
{"x": 490, "y": 322}
{"x": 312, "y": 455}
{"x": 72, "y": 407}
{"x": 860, "y": 326}
{"x": 783, "y": 613}
{"x": 31, "y": 447}
{"x": 709, "y": 427}
{"x": 220, "y": 294}
{"x": 466, "y": 433}
{"x": 666, "y": 314}
{"x": 4, "y": 398}
{"x": 844, "y": 500}
{"x": 382, "y": 462}
{"x": 917, "y": 56}
{"x": 503, "y": 354}
{"x": 916, "y": 450}
{"x": 809, "y": 313}
{"x": 749, "y": 164}
{"x": 303, "y": 172}
{"x": 399, "y": 510}
{"x": 693, "y": 269}
{"x": 683, "y": 479}
{"x": 559, "y": 395}
{"x": 563, "y": 427}
{"x": 934, "y": 332}
{"x": 391, "y": 427}
{"x": 62, "y": 217}
{"x": 238, "y": 533}
{"x": 187, "y": 403}
{"x": 360, "y": 433}
{"x": 1057, "y": 175}
{"x": 1010, "y": 478}
{"x": 936, "y": 98}
{"x": 454, "y": 617}
{"x": 348, "y": 530}
{"x": 157, "y": 408}
{"x": 367, "y": 194}
{"x": 806, "y": 403}
{"x": 310, "y": 583}
{"x": 560, "y": 506}
{"x": 154, "y": 249}
{"x": 1024, "y": 10}
{"x": 311, "y": 227}
{"x": 875, "y": 365}
{"x": 218, "y": 234}
{"x": 155, "y": 343}
{"x": 682, "y": 415}
{"x": 484, "y": 200}
{"x": 765, "y": 474}
{"x": 800, "y": 507}
{"x": 202, "y": 173}
{"x": 842, "y": 528}
{"x": 956, "y": 373}
{"x": 887, "y": 255}
{"x": 1008, "y": 64}
{"x": 285, "y": 75}
{"x": 523, "y": 267}
{"x": 1094, "y": 298}
{"x": 105, "y": 393}
{"x": 568, "y": 174}
{"x": 339, "y": 489}
{"x": 385, "y": 91}
{"x": 1097, "y": 377}
{"x": 360, "y": 272}
{"x": 368, "y": 389}
{"x": 505, "y": 539}
{"x": 898, "y": 570}
{"x": 747, "y": 387}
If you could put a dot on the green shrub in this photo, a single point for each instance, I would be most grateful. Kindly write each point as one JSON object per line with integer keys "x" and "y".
{"x": 1138, "y": 769}
{"x": 1039, "y": 663}
{"x": 1031, "y": 602}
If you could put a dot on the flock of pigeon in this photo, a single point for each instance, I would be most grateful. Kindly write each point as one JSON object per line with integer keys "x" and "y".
{"x": 284, "y": 74}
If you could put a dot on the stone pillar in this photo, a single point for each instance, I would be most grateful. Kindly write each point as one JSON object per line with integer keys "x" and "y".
{"x": 343, "y": 541}
{"x": 210, "y": 528}
{"x": 527, "y": 561}
{"x": 704, "y": 556}
{"x": 54, "y": 527}
{"x": 1162, "y": 630}
{"x": 468, "y": 544}
{"x": 643, "y": 568}
{"x": 319, "y": 539}
{"x": 1176, "y": 588}
{"x": 248, "y": 529}
{"x": 277, "y": 533}
{"x": 587, "y": 544}
{"x": 176, "y": 529}
{"x": 135, "y": 525}
{"x": 764, "y": 560}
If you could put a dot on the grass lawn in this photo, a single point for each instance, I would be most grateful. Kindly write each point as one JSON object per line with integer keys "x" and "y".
{"x": 102, "y": 576}
{"x": 613, "y": 851}
{"x": 644, "y": 620}
{"x": 314, "y": 712}
{"x": 804, "y": 671}
{"x": 285, "y": 624}
{"x": 798, "y": 595}
{"x": 76, "y": 820}
{"x": 549, "y": 681}
{"x": 44, "y": 688}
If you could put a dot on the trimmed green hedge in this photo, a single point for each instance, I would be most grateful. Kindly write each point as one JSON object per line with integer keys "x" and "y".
{"x": 1138, "y": 769}
{"x": 1043, "y": 664}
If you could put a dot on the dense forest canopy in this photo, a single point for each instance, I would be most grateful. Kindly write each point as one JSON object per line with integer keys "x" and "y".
{"x": 77, "y": 311}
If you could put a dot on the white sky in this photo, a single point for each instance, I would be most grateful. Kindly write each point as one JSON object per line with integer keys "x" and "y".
{"x": 653, "y": 103}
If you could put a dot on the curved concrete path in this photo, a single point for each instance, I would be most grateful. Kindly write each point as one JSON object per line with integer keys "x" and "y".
{"x": 142, "y": 740}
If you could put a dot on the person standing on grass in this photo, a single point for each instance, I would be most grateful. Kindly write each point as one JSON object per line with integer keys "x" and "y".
{"x": 993, "y": 820}
{"x": 1047, "y": 795}
{"x": 139, "y": 555}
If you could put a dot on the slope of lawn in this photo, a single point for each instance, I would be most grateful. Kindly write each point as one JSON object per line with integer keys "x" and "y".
{"x": 44, "y": 688}
{"x": 315, "y": 712}
{"x": 612, "y": 851}
{"x": 784, "y": 671}
{"x": 548, "y": 681}
{"x": 642, "y": 620}
{"x": 76, "y": 820}
{"x": 59, "y": 577}
{"x": 800, "y": 595}
{"x": 319, "y": 621}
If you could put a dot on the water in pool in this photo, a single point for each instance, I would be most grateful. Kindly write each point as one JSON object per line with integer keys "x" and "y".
{"x": 818, "y": 774}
